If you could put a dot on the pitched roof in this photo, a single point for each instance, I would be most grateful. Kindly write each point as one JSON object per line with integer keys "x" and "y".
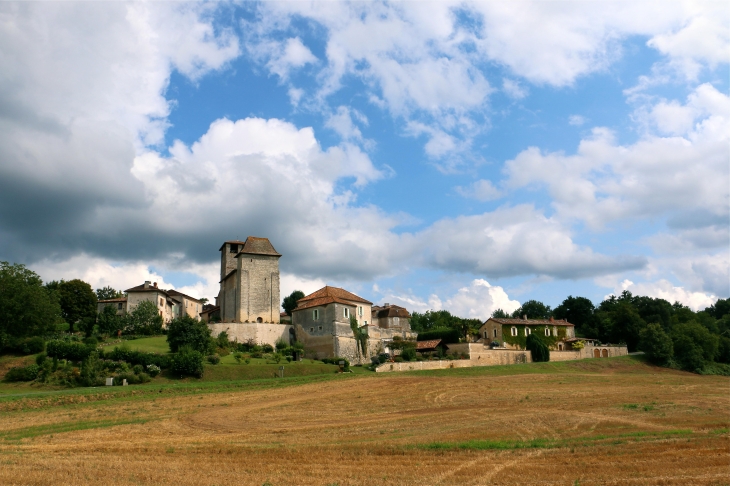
{"x": 390, "y": 311}
{"x": 141, "y": 288}
{"x": 233, "y": 242}
{"x": 321, "y": 301}
{"x": 258, "y": 246}
{"x": 334, "y": 293}
{"x": 530, "y": 322}
{"x": 118, "y": 299}
{"x": 430, "y": 344}
{"x": 176, "y": 293}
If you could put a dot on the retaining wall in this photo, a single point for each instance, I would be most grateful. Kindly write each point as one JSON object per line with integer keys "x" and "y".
{"x": 260, "y": 333}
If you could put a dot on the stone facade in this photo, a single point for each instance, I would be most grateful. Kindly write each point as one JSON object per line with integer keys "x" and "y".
{"x": 509, "y": 333}
{"x": 260, "y": 333}
{"x": 150, "y": 292}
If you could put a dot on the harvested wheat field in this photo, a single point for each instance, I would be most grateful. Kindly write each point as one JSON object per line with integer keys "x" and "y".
{"x": 613, "y": 421}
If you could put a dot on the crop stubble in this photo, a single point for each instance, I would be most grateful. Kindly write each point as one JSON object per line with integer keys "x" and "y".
{"x": 624, "y": 424}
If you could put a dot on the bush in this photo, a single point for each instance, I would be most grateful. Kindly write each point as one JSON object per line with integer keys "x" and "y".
{"x": 137, "y": 369}
{"x": 446, "y": 334}
{"x": 222, "y": 340}
{"x": 40, "y": 359}
{"x": 72, "y": 351}
{"x": 537, "y": 347}
{"x": 188, "y": 362}
{"x": 153, "y": 370}
{"x": 336, "y": 361}
{"x": 123, "y": 353}
{"x": 408, "y": 354}
{"x": 213, "y": 359}
{"x": 131, "y": 378}
{"x": 238, "y": 356}
{"x": 23, "y": 373}
{"x": 144, "y": 319}
{"x": 24, "y": 346}
{"x": 267, "y": 348}
{"x": 186, "y": 331}
{"x": 91, "y": 341}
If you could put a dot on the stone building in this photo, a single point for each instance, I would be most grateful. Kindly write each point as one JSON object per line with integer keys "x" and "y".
{"x": 249, "y": 285}
{"x": 120, "y": 304}
{"x": 322, "y": 322}
{"x": 391, "y": 317}
{"x": 248, "y": 303}
{"x": 185, "y": 305}
{"x": 148, "y": 291}
{"x": 512, "y": 333}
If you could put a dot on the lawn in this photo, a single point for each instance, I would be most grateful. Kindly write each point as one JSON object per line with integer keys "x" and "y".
{"x": 612, "y": 421}
{"x": 155, "y": 344}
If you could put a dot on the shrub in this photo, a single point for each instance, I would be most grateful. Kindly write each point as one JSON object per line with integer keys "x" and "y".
{"x": 40, "y": 359}
{"x": 238, "y": 356}
{"x": 398, "y": 359}
{"x": 222, "y": 340}
{"x": 288, "y": 359}
{"x": 186, "y": 331}
{"x": 446, "y": 334}
{"x": 72, "y": 351}
{"x": 537, "y": 347}
{"x": 188, "y": 362}
{"x": 124, "y": 353}
{"x": 247, "y": 360}
{"x": 23, "y": 373}
{"x": 153, "y": 370}
{"x": 24, "y": 346}
{"x": 137, "y": 369}
{"x": 257, "y": 354}
{"x": 144, "y": 319}
{"x": 267, "y": 348}
{"x": 131, "y": 378}
{"x": 408, "y": 354}
{"x": 91, "y": 341}
{"x": 213, "y": 359}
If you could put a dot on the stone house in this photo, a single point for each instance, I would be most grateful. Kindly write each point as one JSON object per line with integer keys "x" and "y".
{"x": 185, "y": 305}
{"x": 322, "y": 322}
{"x": 512, "y": 333}
{"x": 120, "y": 304}
{"x": 391, "y": 317}
{"x": 150, "y": 292}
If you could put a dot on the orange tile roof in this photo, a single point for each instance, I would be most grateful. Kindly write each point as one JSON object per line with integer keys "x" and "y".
{"x": 335, "y": 293}
{"x": 430, "y": 344}
{"x": 118, "y": 299}
{"x": 320, "y": 302}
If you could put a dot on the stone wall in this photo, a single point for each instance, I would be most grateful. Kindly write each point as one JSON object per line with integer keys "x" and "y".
{"x": 424, "y": 365}
{"x": 261, "y": 333}
{"x": 258, "y": 289}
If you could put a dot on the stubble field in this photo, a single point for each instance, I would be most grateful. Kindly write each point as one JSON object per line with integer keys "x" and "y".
{"x": 613, "y": 421}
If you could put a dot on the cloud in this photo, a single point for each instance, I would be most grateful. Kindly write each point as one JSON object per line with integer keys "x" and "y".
{"x": 513, "y": 89}
{"x": 479, "y": 300}
{"x": 287, "y": 56}
{"x": 576, "y": 120}
{"x": 342, "y": 123}
{"x": 481, "y": 190}
{"x": 663, "y": 289}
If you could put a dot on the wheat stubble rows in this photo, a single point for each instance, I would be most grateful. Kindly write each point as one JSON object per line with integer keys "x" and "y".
{"x": 614, "y": 426}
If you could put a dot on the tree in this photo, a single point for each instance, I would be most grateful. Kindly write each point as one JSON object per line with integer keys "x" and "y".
{"x": 656, "y": 344}
{"x": 186, "y": 331}
{"x": 719, "y": 308}
{"x": 290, "y": 302}
{"x": 108, "y": 321}
{"x": 107, "y": 293}
{"x": 537, "y": 347}
{"x": 624, "y": 325}
{"x": 534, "y": 310}
{"x": 691, "y": 338}
{"x": 500, "y": 314}
{"x": 577, "y": 310}
{"x": 144, "y": 319}
{"x": 26, "y": 307}
{"x": 78, "y": 304}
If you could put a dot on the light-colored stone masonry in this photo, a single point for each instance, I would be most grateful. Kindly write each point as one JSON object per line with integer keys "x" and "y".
{"x": 260, "y": 333}
{"x": 480, "y": 355}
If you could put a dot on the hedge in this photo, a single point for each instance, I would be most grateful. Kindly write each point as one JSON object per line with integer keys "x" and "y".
{"x": 445, "y": 334}
{"x": 24, "y": 373}
{"x": 138, "y": 357}
{"x": 72, "y": 351}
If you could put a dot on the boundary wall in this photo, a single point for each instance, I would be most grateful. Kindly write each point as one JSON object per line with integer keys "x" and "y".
{"x": 260, "y": 333}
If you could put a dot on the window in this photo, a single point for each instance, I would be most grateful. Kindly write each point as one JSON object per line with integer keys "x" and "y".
{"x": 320, "y": 328}
{"x": 347, "y": 312}
{"x": 514, "y": 331}
{"x": 366, "y": 323}
{"x": 486, "y": 335}
{"x": 119, "y": 306}
{"x": 527, "y": 331}
{"x": 315, "y": 314}
{"x": 234, "y": 249}
{"x": 547, "y": 331}
{"x": 162, "y": 303}
{"x": 359, "y": 311}
{"x": 495, "y": 333}
{"x": 311, "y": 329}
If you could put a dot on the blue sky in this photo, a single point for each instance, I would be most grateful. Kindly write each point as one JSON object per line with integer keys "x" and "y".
{"x": 458, "y": 155}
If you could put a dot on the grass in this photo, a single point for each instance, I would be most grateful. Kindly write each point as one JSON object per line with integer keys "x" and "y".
{"x": 155, "y": 344}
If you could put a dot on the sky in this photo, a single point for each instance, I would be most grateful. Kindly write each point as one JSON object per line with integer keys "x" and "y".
{"x": 466, "y": 156}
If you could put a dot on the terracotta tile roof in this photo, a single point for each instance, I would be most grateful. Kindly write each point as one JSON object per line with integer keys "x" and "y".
{"x": 175, "y": 293}
{"x": 258, "y": 246}
{"x": 335, "y": 293}
{"x": 430, "y": 344}
{"x": 141, "y": 288}
{"x": 390, "y": 311}
{"x": 118, "y": 299}
{"x": 530, "y": 322}
{"x": 321, "y": 301}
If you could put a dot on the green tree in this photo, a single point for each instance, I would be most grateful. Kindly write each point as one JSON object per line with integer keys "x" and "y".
{"x": 719, "y": 309}
{"x": 26, "y": 307}
{"x": 537, "y": 347}
{"x": 624, "y": 325}
{"x": 500, "y": 314}
{"x": 108, "y": 321}
{"x": 694, "y": 345}
{"x": 107, "y": 293}
{"x": 78, "y": 304}
{"x": 578, "y": 311}
{"x": 144, "y": 319}
{"x": 656, "y": 344}
{"x": 290, "y": 301}
{"x": 186, "y": 331}
{"x": 534, "y": 309}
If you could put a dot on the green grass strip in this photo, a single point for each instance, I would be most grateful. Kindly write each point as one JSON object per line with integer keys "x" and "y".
{"x": 48, "y": 429}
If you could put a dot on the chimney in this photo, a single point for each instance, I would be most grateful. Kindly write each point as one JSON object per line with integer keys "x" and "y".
{"x": 551, "y": 319}
{"x": 146, "y": 284}
{"x": 155, "y": 284}
{"x": 524, "y": 317}
{"x": 386, "y": 305}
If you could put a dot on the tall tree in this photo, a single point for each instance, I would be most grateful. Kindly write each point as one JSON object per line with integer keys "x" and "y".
{"x": 26, "y": 307}
{"x": 107, "y": 293}
{"x": 290, "y": 301}
{"x": 533, "y": 309}
{"x": 78, "y": 304}
{"x": 500, "y": 314}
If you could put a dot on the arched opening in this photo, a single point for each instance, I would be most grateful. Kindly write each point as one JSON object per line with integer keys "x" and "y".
{"x": 596, "y": 353}
{"x": 604, "y": 353}
{"x": 258, "y": 319}
{"x": 560, "y": 347}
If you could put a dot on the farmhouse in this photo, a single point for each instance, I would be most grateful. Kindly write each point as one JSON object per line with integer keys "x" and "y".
{"x": 322, "y": 322}
{"x": 170, "y": 303}
{"x": 512, "y": 333}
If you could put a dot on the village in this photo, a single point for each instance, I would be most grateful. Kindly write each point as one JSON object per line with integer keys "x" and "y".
{"x": 335, "y": 323}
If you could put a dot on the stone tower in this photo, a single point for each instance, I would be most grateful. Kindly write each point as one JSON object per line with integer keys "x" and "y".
{"x": 249, "y": 289}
